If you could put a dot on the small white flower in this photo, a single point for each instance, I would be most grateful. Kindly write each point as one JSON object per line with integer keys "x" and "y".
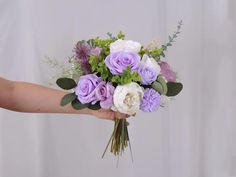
{"x": 150, "y": 63}
{"x": 127, "y": 98}
{"x": 125, "y": 45}
{"x": 164, "y": 100}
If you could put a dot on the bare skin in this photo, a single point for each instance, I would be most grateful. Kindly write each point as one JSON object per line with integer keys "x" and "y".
{"x": 32, "y": 98}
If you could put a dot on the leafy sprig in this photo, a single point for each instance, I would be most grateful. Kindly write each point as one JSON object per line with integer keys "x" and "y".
{"x": 155, "y": 53}
{"x": 104, "y": 44}
{"x": 98, "y": 66}
{"x": 171, "y": 39}
{"x": 158, "y": 52}
{"x": 127, "y": 77}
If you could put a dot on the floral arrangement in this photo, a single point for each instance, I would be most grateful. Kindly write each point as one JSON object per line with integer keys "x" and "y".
{"x": 122, "y": 75}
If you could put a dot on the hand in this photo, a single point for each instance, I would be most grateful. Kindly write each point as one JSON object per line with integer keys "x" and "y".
{"x": 108, "y": 114}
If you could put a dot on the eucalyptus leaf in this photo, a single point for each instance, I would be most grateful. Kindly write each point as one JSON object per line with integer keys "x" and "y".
{"x": 76, "y": 104}
{"x": 162, "y": 81}
{"x": 68, "y": 98}
{"x": 66, "y": 83}
{"x": 158, "y": 87}
{"x": 174, "y": 88}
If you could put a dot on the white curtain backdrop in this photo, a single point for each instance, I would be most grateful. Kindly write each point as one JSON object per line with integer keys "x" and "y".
{"x": 194, "y": 136}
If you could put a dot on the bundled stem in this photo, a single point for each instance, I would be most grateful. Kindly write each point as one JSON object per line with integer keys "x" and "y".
{"x": 119, "y": 139}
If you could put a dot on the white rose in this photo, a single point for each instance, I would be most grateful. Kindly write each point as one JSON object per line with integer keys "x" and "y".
{"x": 125, "y": 45}
{"x": 127, "y": 98}
{"x": 150, "y": 62}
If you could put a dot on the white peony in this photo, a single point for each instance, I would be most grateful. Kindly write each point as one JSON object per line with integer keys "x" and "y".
{"x": 125, "y": 45}
{"x": 150, "y": 63}
{"x": 127, "y": 98}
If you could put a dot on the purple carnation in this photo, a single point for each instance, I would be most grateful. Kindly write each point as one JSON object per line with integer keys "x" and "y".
{"x": 118, "y": 61}
{"x": 151, "y": 100}
{"x": 85, "y": 89}
{"x": 104, "y": 93}
{"x": 148, "y": 75}
{"x": 167, "y": 72}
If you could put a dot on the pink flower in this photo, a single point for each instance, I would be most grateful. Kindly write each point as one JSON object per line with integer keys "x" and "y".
{"x": 167, "y": 72}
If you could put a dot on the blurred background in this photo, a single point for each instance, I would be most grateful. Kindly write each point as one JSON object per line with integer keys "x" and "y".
{"x": 193, "y": 136}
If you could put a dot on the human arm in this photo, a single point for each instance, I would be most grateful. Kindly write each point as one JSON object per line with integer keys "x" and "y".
{"x": 33, "y": 98}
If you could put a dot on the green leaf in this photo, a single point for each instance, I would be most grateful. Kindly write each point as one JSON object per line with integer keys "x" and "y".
{"x": 76, "y": 104}
{"x": 158, "y": 87}
{"x": 68, "y": 98}
{"x": 162, "y": 81}
{"x": 66, "y": 83}
{"x": 127, "y": 77}
{"x": 174, "y": 88}
{"x": 95, "y": 106}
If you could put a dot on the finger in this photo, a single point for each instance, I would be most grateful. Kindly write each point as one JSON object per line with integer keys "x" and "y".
{"x": 110, "y": 115}
{"x": 121, "y": 115}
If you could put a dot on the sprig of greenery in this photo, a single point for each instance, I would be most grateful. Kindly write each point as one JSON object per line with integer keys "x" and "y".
{"x": 104, "y": 44}
{"x": 127, "y": 77}
{"x": 98, "y": 66}
{"x": 155, "y": 53}
{"x": 171, "y": 39}
{"x": 158, "y": 52}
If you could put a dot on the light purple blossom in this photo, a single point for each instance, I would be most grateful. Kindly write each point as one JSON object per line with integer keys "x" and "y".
{"x": 151, "y": 100}
{"x": 118, "y": 61}
{"x": 148, "y": 75}
{"x": 85, "y": 89}
{"x": 104, "y": 93}
{"x": 166, "y": 71}
{"x": 96, "y": 51}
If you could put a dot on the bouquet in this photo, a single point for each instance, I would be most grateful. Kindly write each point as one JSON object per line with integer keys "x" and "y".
{"x": 121, "y": 75}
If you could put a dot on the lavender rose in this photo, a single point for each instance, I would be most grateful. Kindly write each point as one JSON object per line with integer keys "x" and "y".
{"x": 151, "y": 100}
{"x": 148, "y": 75}
{"x": 104, "y": 93}
{"x": 148, "y": 70}
{"x": 85, "y": 89}
{"x": 118, "y": 61}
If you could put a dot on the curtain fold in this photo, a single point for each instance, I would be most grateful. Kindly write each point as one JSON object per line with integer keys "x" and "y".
{"x": 194, "y": 136}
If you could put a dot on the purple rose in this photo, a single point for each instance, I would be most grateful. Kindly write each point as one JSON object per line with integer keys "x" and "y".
{"x": 118, "y": 61}
{"x": 85, "y": 89}
{"x": 104, "y": 93}
{"x": 151, "y": 100}
{"x": 148, "y": 75}
{"x": 166, "y": 71}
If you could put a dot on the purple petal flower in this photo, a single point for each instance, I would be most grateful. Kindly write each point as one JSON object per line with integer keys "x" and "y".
{"x": 166, "y": 71}
{"x": 96, "y": 51}
{"x": 104, "y": 93}
{"x": 86, "y": 68}
{"x": 151, "y": 100}
{"x": 82, "y": 50}
{"x": 148, "y": 75}
{"x": 118, "y": 61}
{"x": 85, "y": 89}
